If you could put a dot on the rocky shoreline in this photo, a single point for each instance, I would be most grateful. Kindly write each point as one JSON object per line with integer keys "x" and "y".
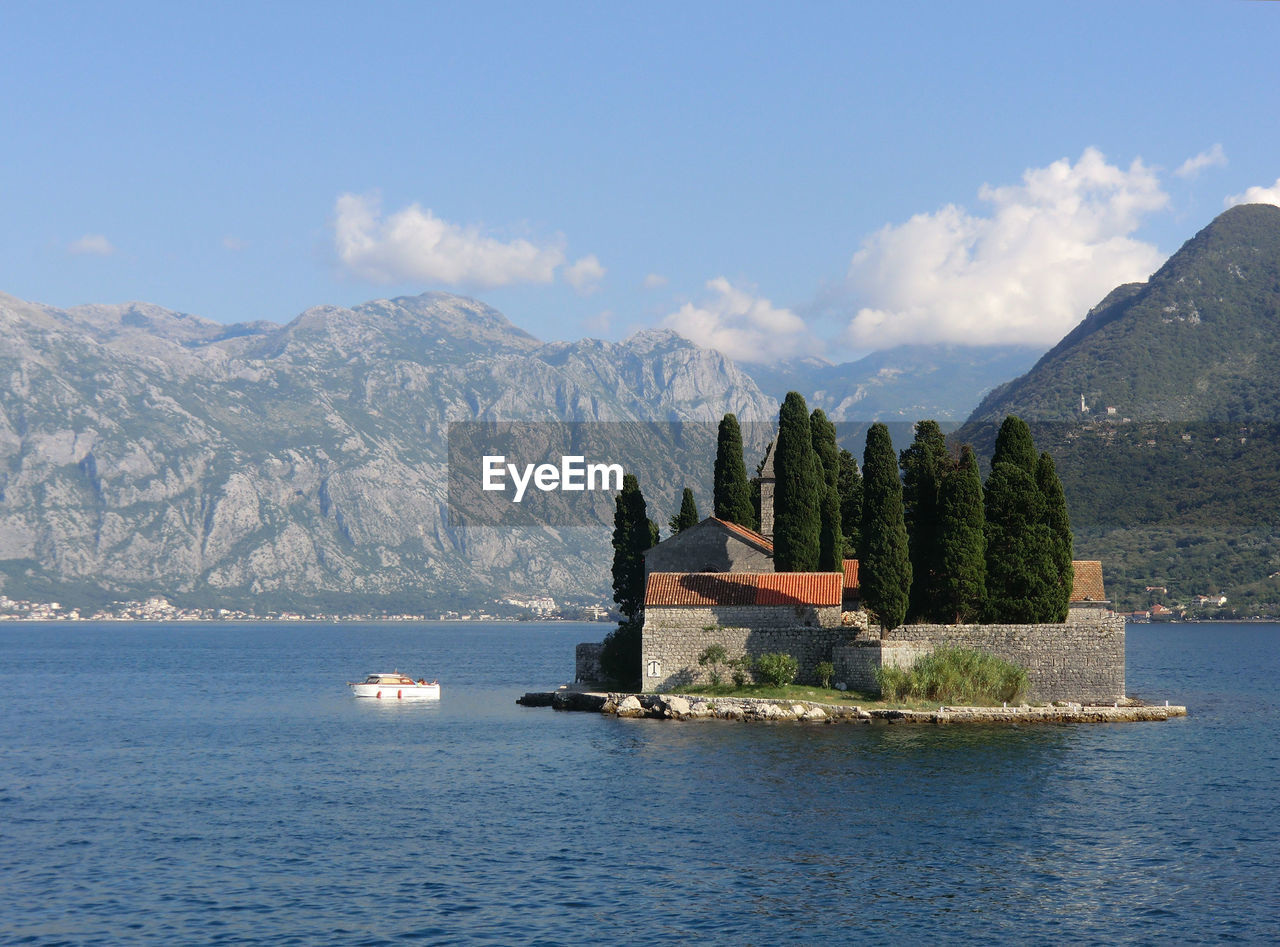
{"x": 693, "y": 707}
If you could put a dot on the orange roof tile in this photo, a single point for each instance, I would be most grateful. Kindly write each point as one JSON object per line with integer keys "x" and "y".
{"x": 743, "y": 588}
{"x": 851, "y": 573}
{"x": 1087, "y": 584}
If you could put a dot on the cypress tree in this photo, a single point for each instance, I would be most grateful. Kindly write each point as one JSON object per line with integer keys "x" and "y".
{"x": 633, "y": 533}
{"x": 798, "y": 491}
{"x": 962, "y": 544}
{"x": 1014, "y": 445}
{"x": 850, "y": 487}
{"x": 688, "y": 515}
{"x": 1059, "y": 523}
{"x": 830, "y": 535}
{"x": 923, "y": 466}
{"x": 885, "y": 570}
{"x": 1021, "y": 575}
{"x": 732, "y": 492}
{"x": 822, "y": 434}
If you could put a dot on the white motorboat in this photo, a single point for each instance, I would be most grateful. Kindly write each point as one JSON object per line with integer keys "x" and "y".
{"x": 395, "y": 686}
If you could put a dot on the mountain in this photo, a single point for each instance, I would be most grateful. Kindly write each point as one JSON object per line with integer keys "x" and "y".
{"x": 905, "y": 383}
{"x": 1171, "y": 472}
{"x": 144, "y": 451}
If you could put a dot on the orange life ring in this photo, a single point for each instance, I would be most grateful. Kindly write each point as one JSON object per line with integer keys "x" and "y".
{"x": 399, "y": 694}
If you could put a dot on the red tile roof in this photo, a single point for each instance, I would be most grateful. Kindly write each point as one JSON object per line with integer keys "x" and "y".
{"x": 743, "y": 588}
{"x": 1087, "y": 584}
{"x": 750, "y": 535}
{"x": 851, "y": 574}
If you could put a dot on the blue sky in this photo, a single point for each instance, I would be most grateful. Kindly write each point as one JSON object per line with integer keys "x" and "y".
{"x": 773, "y": 180}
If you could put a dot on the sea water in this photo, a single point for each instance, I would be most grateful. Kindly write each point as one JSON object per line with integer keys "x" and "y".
{"x": 217, "y": 783}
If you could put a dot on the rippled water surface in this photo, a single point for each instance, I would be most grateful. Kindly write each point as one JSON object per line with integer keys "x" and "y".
{"x": 203, "y": 783}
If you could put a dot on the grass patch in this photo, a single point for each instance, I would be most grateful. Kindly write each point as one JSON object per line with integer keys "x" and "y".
{"x": 955, "y": 676}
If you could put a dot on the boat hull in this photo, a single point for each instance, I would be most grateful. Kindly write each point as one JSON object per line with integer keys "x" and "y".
{"x": 397, "y": 691}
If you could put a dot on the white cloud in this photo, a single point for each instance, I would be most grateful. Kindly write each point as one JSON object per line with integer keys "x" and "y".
{"x": 744, "y": 327}
{"x": 1214, "y": 157}
{"x": 655, "y": 281}
{"x": 1256, "y": 195}
{"x": 91, "y": 244}
{"x": 1052, "y": 246}
{"x": 584, "y": 274}
{"x": 414, "y": 244}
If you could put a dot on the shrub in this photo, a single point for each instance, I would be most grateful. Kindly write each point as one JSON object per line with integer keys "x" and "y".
{"x": 825, "y": 671}
{"x": 742, "y": 669}
{"x": 778, "y": 669}
{"x": 955, "y": 676}
{"x": 713, "y": 656}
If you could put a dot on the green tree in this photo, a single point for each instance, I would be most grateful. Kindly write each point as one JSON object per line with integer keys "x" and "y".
{"x": 688, "y": 515}
{"x": 1015, "y": 446}
{"x": 962, "y": 543}
{"x": 732, "y": 492}
{"x": 923, "y": 465}
{"x": 1021, "y": 576}
{"x": 1059, "y": 523}
{"x": 885, "y": 571}
{"x": 830, "y": 533}
{"x": 633, "y": 533}
{"x": 850, "y": 486}
{"x": 798, "y": 490}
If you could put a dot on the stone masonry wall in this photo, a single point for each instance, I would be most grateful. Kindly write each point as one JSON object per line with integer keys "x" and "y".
{"x": 1081, "y": 660}
{"x": 673, "y": 637}
{"x": 706, "y": 549}
{"x": 587, "y": 662}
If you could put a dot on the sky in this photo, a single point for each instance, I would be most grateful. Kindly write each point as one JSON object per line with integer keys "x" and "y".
{"x": 771, "y": 180}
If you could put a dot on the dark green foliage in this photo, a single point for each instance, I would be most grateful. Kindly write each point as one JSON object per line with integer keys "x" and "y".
{"x": 923, "y": 465}
{"x": 831, "y": 534}
{"x": 955, "y": 676}
{"x": 1059, "y": 523}
{"x": 633, "y": 533}
{"x": 620, "y": 656}
{"x": 885, "y": 571}
{"x": 850, "y": 487}
{"x": 1015, "y": 446}
{"x": 822, "y": 434}
{"x": 798, "y": 491}
{"x": 732, "y": 491}
{"x": 688, "y": 515}
{"x": 830, "y": 540}
{"x": 740, "y": 670}
{"x": 1021, "y": 575}
{"x": 962, "y": 543}
{"x": 777, "y": 669}
{"x": 824, "y": 671}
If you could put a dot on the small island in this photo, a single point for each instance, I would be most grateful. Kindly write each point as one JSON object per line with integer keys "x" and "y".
{"x": 819, "y": 573}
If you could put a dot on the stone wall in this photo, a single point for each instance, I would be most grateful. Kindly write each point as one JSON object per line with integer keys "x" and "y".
{"x": 707, "y": 547}
{"x": 1081, "y": 660}
{"x": 674, "y": 636}
{"x": 587, "y": 662}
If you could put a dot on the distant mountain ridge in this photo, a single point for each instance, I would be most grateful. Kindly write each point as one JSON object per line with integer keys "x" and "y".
{"x": 1171, "y": 472}
{"x": 146, "y": 451}
{"x": 904, "y": 383}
